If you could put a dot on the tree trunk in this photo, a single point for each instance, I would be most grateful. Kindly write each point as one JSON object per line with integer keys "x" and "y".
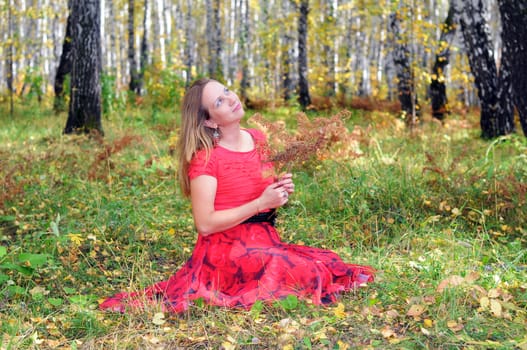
{"x": 189, "y": 59}
{"x": 303, "y": 83}
{"x": 287, "y": 46}
{"x": 329, "y": 49}
{"x": 9, "y": 60}
{"x": 134, "y": 78}
{"x": 497, "y": 118}
{"x": 214, "y": 39}
{"x": 144, "y": 53}
{"x": 514, "y": 24}
{"x": 244, "y": 49}
{"x": 65, "y": 64}
{"x": 85, "y": 102}
{"x": 437, "y": 86}
{"x": 403, "y": 68}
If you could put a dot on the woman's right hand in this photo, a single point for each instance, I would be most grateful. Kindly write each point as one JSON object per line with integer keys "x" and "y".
{"x": 275, "y": 195}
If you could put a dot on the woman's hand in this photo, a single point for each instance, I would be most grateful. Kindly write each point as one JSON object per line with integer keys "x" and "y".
{"x": 277, "y": 194}
{"x": 287, "y": 183}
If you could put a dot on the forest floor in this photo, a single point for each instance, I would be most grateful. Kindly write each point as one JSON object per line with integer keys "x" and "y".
{"x": 439, "y": 212}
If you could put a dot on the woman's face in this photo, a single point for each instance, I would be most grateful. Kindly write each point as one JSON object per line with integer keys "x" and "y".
{"x": 224, "y": 106}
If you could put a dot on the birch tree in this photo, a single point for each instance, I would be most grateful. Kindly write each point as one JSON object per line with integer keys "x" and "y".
{"x": 304, "y": 97}
{"x": 494, "y": 88}
{"x": 403, "y": 67}
{"x": 132, "y": 61}
{"x": 514, "y": 23}
{"x": 244, "y": 49}
{"x": 438, "y": 94}
{"x": 65, "y": 63}
{"x": 85, "y": 101}
{"x": 214, "y": 40}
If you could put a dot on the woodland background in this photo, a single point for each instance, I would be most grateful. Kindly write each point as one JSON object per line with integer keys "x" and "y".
{"x": 322, "y": 52}
{"x": 423, "y": 177}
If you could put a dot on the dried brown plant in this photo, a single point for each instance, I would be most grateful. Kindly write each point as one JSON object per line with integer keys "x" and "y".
{"x": 103, "y": 157}
{"x": 314, "y": 140}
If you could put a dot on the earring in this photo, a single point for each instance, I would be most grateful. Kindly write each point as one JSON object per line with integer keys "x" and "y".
{"x": 216, "y": 136}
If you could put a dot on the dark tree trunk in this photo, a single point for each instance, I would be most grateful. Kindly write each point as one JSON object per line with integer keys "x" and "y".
{"x": 144, "y": 54}
{"x": 134, "y": 78}
{"x": 85, "y": 102}
{"x": 9, "y": 61}
{"x": 188, "y": 43}
{"x": 287, "y": 82}
{"x": 437, "y": 86}
{"x": 219, "y": 44}
{"x": 497, "y": 118}
{"x": 214, "y": 39}
{"x": 404, "y": 72}
{"x": 514, "y": 36}
{"x": 244, "y": 48}
{"x": 329, "y": 50}
{"x": 303, "y": 82}
{"x": 65, "y": 64}
{"x": 287, "y": 85}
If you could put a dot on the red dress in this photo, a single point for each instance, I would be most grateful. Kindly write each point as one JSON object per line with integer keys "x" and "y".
{"x": 248, "y": 262}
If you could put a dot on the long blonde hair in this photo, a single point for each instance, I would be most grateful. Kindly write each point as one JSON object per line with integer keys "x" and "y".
{"x": 193, "y": 134}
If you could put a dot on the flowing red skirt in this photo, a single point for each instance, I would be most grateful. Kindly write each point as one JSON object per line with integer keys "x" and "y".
{"x": 247, "y": 263}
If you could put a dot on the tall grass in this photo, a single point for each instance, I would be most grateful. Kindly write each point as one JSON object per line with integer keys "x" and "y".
{"x": 439, "y": 212}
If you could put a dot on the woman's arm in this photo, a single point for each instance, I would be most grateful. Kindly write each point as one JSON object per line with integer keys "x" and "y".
{"x": 207, "y": 220}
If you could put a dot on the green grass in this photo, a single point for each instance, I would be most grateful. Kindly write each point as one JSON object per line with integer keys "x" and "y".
{"x": 439, "y": 212}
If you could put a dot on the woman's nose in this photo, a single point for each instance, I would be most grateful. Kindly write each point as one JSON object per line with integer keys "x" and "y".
{"x": 231, "y": 98}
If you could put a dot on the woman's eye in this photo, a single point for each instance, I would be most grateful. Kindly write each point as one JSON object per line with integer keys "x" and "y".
{"x": 227, "y": 91}
{"x": 219, "y": 101}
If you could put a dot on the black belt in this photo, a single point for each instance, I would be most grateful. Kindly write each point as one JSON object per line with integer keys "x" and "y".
{"x": 266, "y": 216}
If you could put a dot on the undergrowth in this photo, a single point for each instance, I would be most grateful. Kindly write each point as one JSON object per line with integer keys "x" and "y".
{"x": 437, "y": 211}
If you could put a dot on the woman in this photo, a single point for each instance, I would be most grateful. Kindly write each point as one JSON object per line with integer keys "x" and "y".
{"x": 239, "y": 257}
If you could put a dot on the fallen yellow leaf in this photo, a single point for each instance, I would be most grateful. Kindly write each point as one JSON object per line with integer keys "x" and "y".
{"x": 495, "y": 308}
{"x": 340, "y": 311}
{"x": 484, "y": 302}
{"x": 158, "y": 319}
{"x": 342, "y": 345}
{"x": 227, "y": 346}
{"x": 416, "y": 310}
{"x": 454, "y": 326}
{"x": 494, "y": 293}
{"x": 387, "y": 332}
{"x": 451, "y": 281}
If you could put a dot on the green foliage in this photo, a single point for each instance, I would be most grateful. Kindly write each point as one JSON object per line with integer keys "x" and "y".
{"x": 165, "y": 88}
{"x": 439, "y": 212}
{"x": 111, "y": 98}
{"x": 34, "y": 84}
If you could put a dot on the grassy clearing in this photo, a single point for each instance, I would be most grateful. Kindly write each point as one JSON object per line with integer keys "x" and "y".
{"x": 439, "y": 212}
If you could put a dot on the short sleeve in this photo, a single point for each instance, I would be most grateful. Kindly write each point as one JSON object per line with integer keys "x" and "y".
{"x": 200, "y": 165}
